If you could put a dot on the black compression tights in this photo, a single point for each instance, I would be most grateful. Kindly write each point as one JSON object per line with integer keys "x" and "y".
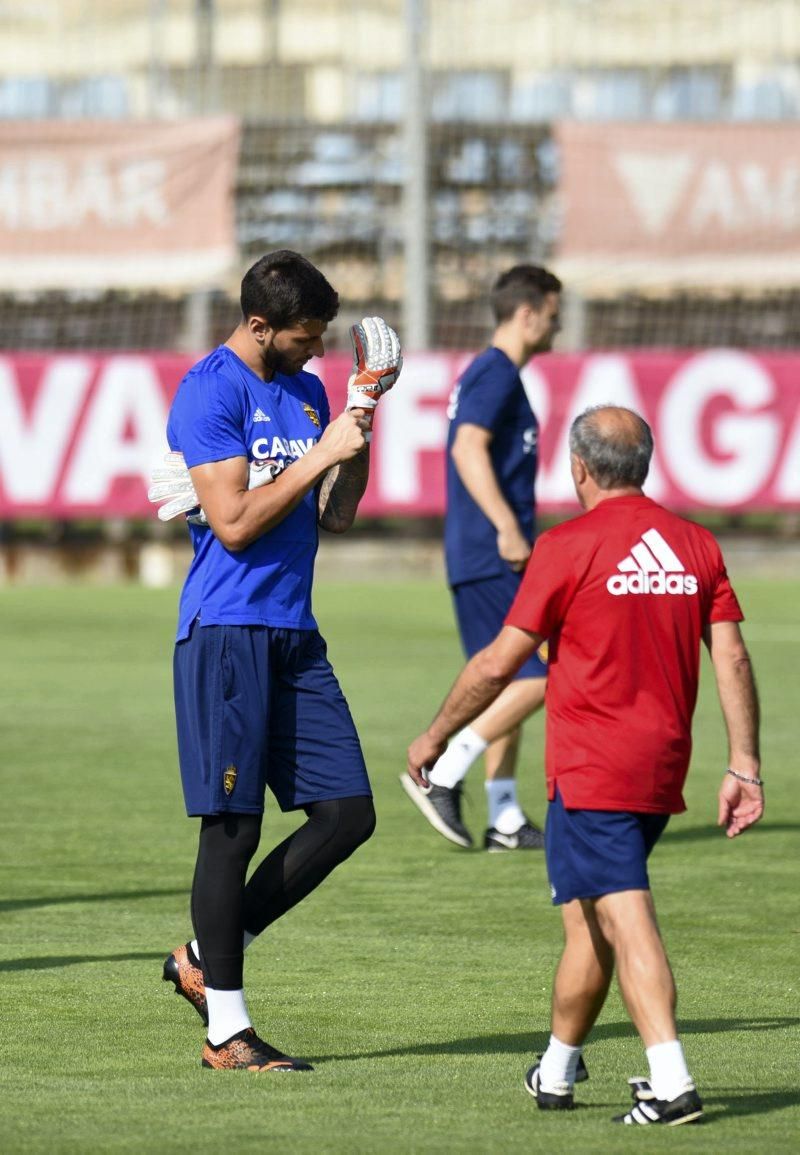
{"x": 223, "y": 907}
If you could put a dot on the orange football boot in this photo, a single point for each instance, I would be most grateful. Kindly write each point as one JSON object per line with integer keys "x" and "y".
{"x": 183, "y": 969}
{"x": 245, "y": 1051}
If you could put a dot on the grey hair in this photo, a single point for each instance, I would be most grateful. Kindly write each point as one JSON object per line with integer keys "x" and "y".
{"x": 617, "y": 455}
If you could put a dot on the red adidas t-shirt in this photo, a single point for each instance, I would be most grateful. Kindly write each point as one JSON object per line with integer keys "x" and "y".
{"x": 623, "y": 594}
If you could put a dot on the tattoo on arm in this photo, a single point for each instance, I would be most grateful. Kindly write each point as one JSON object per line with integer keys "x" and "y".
{"x": 341, "y": 490}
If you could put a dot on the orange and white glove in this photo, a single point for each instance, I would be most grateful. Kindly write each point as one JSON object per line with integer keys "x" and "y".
{"x": 377, "y": 361}
{"x": 172, "y": 485}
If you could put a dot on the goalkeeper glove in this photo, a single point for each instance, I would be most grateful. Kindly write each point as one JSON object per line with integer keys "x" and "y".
{"x": 377, "y": 361}
{"x": 172, "y": 485}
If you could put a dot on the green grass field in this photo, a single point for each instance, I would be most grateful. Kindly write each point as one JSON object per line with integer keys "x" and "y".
{"x": 417, "y": 978}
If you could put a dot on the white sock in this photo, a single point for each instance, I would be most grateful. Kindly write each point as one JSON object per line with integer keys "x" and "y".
{"x": 227, "y": 1015}
{"x": 669, "y": 1075}
{"x": 247, "y": 938}
{"x": 453, "y": 765}
{"x": 504, "y": 810}
{"x": 559, "y": 1064}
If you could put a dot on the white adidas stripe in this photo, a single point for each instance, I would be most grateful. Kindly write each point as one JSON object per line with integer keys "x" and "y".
{"x": 645, "y": 559}
{"x": 668, "y": 559}
{"x": 659, "y": 556}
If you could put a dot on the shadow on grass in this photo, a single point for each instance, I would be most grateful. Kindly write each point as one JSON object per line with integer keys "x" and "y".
{"x": 752, "y": 1103}
{"x": 625, "y": 1029}
{"x": 528, "y": 1042}
{"x": 699, "y": 833}
{"x": 11, "y": 904}
{"x": 48, "y": 961}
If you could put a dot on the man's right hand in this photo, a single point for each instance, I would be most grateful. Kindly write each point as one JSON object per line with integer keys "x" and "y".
{"x": 423, "y": 753}
{"x": 513, "y": 547}
{"x": 345, "y": 437}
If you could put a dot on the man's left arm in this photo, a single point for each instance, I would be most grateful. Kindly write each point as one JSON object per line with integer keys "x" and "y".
{"x": 341, "y": 490}
{"x": 377, "y": 361}
{"x": 741, "y": 795}
{"x": 483, "y": 678}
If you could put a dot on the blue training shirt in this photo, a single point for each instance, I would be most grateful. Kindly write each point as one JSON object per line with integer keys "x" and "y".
{"x": 490, "y": 393}
{"x": 223, "y": 409}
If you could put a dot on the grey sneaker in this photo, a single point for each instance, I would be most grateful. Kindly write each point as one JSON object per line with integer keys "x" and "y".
{"x": 442, "y": 808}
{"x": 527, "y": 837}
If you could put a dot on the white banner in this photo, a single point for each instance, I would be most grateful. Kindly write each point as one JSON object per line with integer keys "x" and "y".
{"x": 98, "y": 205}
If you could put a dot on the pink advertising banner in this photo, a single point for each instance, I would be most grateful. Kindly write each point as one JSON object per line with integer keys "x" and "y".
{"x": 721, "y": 194}
{"x": 96, "y": 204}
{"x": 79, "y": 433}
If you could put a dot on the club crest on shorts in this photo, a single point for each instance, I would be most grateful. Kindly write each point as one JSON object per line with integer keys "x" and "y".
{"x": 311, "y": 414}
{"x": 543, "y": 652}
{"x": 229, "y": 779}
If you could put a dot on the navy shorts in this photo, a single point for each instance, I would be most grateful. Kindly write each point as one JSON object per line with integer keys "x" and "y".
{"x": 258, "y": 706}
{"x": 594, "y": 852}
{"x": 481, "y": 608}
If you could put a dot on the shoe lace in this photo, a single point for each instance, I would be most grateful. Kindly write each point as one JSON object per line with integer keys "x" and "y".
{"x": 263, "y": 1050}
{"x": 460, "y": 796}
{"x": 463, "y": 794}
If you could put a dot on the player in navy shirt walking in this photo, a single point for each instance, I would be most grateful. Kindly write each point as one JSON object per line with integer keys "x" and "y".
{"x": 489, "y": 532}
{"x": 257, "y": 702}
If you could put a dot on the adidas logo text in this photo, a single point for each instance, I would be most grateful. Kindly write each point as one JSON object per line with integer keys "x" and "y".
{"x": 655, "y": 583}
{"x": 652, "y": 567}
{"x": 260, "y": 415}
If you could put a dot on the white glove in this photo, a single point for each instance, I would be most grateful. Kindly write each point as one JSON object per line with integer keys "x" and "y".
{"x": 377, "y": 361}
{"x": 172, "y": 484}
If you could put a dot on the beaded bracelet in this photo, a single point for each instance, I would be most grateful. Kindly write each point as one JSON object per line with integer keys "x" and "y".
{"x": 749, "y": 781}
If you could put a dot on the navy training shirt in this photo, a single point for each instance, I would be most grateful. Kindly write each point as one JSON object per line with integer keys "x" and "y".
{"x": 490, "y": 393}
{"x": 223, "y": 409}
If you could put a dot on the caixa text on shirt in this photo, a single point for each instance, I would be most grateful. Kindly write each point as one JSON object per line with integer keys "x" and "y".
{"x": 277, "y": 447}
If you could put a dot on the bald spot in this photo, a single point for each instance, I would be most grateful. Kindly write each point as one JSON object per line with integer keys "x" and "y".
{"x": 620, "y": 426}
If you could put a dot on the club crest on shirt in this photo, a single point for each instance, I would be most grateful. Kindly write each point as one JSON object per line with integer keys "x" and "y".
{"x": 311, "y": 414}
{"x": 530, "y": 438}
{"x": 229, "y": 779}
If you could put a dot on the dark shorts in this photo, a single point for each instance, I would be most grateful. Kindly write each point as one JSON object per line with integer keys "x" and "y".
{"x": 258, "y": 706}
{"x": 481, "y": 608}
{"x": 594, "y": 852}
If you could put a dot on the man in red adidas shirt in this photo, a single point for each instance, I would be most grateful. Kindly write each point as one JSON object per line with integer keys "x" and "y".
{"x": 625, "y": 594}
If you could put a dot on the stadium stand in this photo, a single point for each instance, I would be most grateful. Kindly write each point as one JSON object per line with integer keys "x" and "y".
{"x": 321, "y": 165}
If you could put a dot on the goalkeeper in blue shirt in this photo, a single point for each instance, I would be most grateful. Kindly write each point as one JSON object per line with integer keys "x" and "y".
{"x": 258, "y": 465}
